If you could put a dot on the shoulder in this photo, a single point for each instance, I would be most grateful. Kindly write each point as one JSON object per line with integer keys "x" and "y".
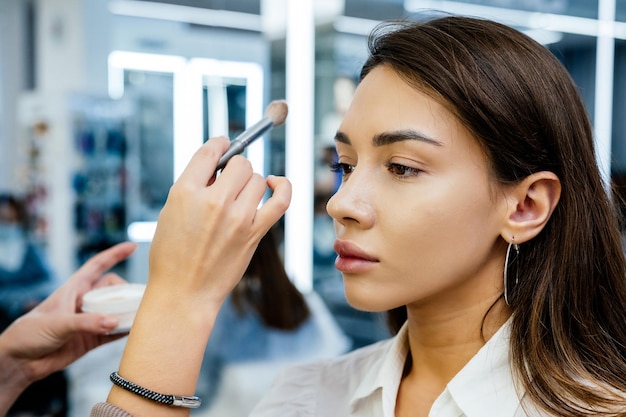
{"x": 321, "y": 388}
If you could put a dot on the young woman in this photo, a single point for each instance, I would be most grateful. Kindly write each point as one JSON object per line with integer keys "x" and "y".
{"x": 471, "y": 207}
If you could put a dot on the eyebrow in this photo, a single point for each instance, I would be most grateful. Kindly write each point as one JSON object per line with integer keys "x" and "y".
{"x": 387, "y": 138}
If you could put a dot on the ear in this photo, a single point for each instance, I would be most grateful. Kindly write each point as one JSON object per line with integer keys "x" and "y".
{"x": 530, "y": 205}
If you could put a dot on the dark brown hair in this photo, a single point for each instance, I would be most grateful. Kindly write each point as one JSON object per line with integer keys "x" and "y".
{"x": 19, "y": 206}
{"x": 268, "y": 290}
{"x": 568, "y": 341}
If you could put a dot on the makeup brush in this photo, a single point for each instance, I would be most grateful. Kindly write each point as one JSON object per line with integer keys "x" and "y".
{"x": 275, "y": 115}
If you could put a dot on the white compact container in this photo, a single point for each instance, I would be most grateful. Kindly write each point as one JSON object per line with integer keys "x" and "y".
{"x": 121, "y": 301}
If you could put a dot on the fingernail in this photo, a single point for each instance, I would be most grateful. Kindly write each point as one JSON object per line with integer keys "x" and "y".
{"x": 108, "y": 322}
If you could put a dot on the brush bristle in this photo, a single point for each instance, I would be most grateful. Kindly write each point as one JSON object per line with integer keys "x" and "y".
{"x": 277, "y": 111}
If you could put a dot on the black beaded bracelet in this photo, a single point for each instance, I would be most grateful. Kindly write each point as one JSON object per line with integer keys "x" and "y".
{"x": 173, "y": 400}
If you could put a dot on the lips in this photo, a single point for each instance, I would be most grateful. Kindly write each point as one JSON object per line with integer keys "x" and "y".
{"x": 351, "y": 258}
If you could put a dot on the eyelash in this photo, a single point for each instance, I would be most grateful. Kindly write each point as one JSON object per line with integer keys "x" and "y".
{"x": 406, "y": 171}
{"x": 346, "y": 169}
{"x": 342, "y": 168}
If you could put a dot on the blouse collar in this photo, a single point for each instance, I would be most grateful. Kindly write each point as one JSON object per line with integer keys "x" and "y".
{"x": 485, "y": 385}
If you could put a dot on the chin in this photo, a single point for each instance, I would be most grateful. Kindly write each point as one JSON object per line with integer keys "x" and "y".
{"x": 368, "y": 302}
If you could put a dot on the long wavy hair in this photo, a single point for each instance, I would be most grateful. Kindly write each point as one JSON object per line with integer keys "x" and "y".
{"x": 568, "y": 324}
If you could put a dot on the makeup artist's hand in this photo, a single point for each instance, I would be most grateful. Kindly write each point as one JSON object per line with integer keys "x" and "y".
{"x": 205, "y": 237}
{"x": 55, "y": 333}
{"x": 210, "y": 227}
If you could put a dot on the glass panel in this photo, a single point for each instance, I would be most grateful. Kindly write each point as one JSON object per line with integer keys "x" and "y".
{"x": 224, "y": 106}
{"x": 620, "y": 10}
{"x": 152, "y": 93}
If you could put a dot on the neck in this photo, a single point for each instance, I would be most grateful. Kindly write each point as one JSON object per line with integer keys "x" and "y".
{"x": 442, "y": 343}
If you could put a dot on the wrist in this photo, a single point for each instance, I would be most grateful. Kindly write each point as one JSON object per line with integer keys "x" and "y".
{"x": 194, "y": 306}
{"x": 14, "y": 379}
{"x": 165, "y": 348}
{"x": 168, "y": 323}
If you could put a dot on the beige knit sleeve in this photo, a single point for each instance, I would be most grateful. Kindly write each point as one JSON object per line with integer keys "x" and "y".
{"x": 108, "y": 410}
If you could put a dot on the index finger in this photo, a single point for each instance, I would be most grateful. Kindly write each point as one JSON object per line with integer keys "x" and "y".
{"x": 201, "y": 166}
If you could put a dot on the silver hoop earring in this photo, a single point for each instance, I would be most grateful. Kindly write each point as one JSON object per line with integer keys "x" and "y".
{"x": 509, "y": 262}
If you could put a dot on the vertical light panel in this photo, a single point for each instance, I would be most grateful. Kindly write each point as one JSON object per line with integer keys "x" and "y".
{"x": 299, "y": 149}
{"x": 603, "y": 115}
{"x": 184, "y": 129}
{"x": 252, "y": 73}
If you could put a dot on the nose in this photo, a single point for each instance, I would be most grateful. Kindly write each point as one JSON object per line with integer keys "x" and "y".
{"x": 352, "y": 203}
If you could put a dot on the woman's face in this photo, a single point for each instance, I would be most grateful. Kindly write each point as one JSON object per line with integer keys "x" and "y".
{"x": 417, "y": 217}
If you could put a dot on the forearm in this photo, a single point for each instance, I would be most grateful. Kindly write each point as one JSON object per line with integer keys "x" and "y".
{"x": 164, "y": 351}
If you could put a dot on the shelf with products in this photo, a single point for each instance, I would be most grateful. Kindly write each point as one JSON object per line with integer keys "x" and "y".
{"x": 100, "y": 184}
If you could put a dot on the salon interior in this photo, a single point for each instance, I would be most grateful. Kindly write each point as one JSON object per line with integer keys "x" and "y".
{"x": 102, "y": 103}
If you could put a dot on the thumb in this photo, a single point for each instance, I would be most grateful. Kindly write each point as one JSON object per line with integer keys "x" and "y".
{"x": 34, "y": 336}
{"x": 95, "y": 323}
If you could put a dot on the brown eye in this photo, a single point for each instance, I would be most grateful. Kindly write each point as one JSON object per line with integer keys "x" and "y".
{"x": 344, "y": 169}
{"x": 402, "y": 170}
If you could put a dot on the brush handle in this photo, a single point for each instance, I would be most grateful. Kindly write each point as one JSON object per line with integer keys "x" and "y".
{"x": 244, "y": 139}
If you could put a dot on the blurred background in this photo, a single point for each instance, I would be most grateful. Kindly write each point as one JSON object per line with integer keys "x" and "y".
{"x": 102, "y": 102}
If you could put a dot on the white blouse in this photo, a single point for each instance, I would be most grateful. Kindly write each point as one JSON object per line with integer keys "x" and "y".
{"x": 365, "y": 383}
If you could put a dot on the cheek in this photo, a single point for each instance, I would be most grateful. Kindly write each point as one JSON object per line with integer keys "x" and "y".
{"x": 438, "y": 233}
